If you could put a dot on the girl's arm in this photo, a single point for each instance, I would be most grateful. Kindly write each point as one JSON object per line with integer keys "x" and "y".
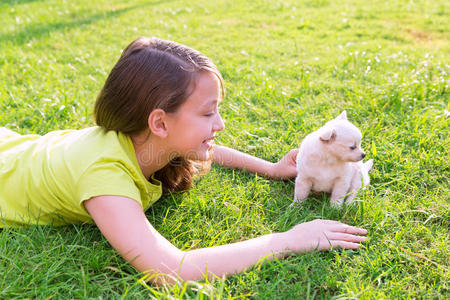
{"x": 230, "y": 158}
{"x": 125, "y": 226}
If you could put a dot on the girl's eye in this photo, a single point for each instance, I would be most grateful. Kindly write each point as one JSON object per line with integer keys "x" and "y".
{"x": 209, "y": 115}
{"x": 353, "y": 147}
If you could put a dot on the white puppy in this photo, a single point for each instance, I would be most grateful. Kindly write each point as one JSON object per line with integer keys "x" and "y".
{"x": 329, "y": 160}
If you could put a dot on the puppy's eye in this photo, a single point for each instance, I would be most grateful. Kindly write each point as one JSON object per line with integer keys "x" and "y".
{"x": 353, "y": 147}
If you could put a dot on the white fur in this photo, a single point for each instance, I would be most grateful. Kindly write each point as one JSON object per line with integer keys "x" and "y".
{"x": 326, "y": 162}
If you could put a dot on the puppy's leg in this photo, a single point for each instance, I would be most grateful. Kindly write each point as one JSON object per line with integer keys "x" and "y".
{"x": 302, "y": 189}
{"x": 340, "y": 190}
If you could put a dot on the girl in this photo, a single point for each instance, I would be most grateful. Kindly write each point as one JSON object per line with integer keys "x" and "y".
{"x": 157, "y": 117}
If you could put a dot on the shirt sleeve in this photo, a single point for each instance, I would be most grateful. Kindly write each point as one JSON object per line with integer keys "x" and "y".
{"x": 109, "y": 178}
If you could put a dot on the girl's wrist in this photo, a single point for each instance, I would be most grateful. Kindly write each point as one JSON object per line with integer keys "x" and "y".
{"x": 270, "y": 170}
{"x": 281, "y": 244}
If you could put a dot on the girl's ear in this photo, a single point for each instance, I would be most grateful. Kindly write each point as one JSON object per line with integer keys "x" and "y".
{"x": 157, "y": 123}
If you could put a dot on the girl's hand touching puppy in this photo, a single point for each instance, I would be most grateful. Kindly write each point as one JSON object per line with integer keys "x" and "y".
{"x": 286, "y": 168}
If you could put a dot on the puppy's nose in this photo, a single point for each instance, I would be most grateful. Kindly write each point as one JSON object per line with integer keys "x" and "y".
{"x": 363, "y": 155}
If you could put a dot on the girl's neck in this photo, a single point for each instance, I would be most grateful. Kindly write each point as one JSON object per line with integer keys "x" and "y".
{"x": 150, "y": 153}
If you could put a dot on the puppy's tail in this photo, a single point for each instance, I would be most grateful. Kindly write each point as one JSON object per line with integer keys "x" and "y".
{"x": 368, "y": 165}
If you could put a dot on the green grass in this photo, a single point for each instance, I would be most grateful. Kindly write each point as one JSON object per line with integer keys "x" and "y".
{"x": 289, "y": 66}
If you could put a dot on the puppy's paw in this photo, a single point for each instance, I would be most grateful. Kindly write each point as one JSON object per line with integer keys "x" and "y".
{"x": 337, "y": 203}
{"x": 300, "y": 195}
{"x": 296, "y": 202}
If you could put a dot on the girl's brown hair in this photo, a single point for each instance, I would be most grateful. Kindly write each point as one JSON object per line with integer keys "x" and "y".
{"x": 153, "y": 73}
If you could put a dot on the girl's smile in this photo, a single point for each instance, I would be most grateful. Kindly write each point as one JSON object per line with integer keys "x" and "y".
{"x": 208, "y": 143}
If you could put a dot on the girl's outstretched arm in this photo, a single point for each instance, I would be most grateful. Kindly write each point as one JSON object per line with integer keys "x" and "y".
{"x": 125, "y": 226}
{"x": 230, "y": 158}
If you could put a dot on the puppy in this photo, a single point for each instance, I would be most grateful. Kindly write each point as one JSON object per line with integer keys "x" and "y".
{"x": 330, "y": 160}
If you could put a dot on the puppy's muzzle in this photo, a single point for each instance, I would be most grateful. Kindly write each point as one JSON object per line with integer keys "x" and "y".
{"x": 363, "y": 155}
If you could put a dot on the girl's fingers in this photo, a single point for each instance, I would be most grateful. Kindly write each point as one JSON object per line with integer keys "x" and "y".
{"x": 346, "y": 237}
{"x": 349, "y": 229}
{"x": 345, "y": 245}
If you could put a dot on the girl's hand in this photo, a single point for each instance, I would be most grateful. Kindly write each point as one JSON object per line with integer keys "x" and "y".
{"x": 287, "y": 167}
{"x": 324, "y": 235}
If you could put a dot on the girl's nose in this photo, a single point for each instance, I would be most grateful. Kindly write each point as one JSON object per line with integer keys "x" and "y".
{"x": 218, "y": 124}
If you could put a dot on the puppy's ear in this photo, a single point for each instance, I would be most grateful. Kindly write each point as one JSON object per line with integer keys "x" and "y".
{"x": 328, "y": 135}
{"x": 342, "y": 116}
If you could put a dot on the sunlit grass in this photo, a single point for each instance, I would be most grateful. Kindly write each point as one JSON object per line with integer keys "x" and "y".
{"x": 289, "y": 66}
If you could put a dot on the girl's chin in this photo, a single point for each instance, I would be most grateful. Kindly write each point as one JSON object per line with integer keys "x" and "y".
{"x": 206, "y": 155}
{"x": 203, "y": 155}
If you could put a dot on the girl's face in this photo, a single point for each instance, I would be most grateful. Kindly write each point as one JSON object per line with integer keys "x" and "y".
{"x": 193, "y": 126}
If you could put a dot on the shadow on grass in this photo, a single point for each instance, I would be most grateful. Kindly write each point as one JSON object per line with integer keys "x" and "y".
{"x": 38, "y": 30}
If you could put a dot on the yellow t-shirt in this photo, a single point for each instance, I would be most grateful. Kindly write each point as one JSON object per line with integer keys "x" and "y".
{"x": 45, "y": 179}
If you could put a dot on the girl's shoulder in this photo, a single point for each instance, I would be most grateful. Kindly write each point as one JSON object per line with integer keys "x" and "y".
{"x": 92, "y": 144}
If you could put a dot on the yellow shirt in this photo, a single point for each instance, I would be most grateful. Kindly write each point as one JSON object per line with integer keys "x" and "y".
{"x": 45, "y": 179}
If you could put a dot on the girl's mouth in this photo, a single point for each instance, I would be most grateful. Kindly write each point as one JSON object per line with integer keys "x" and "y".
{"x": 208, "y": 142}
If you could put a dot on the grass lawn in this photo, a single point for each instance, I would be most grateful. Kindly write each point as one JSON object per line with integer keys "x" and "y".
{"x": 289, "y": 66}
